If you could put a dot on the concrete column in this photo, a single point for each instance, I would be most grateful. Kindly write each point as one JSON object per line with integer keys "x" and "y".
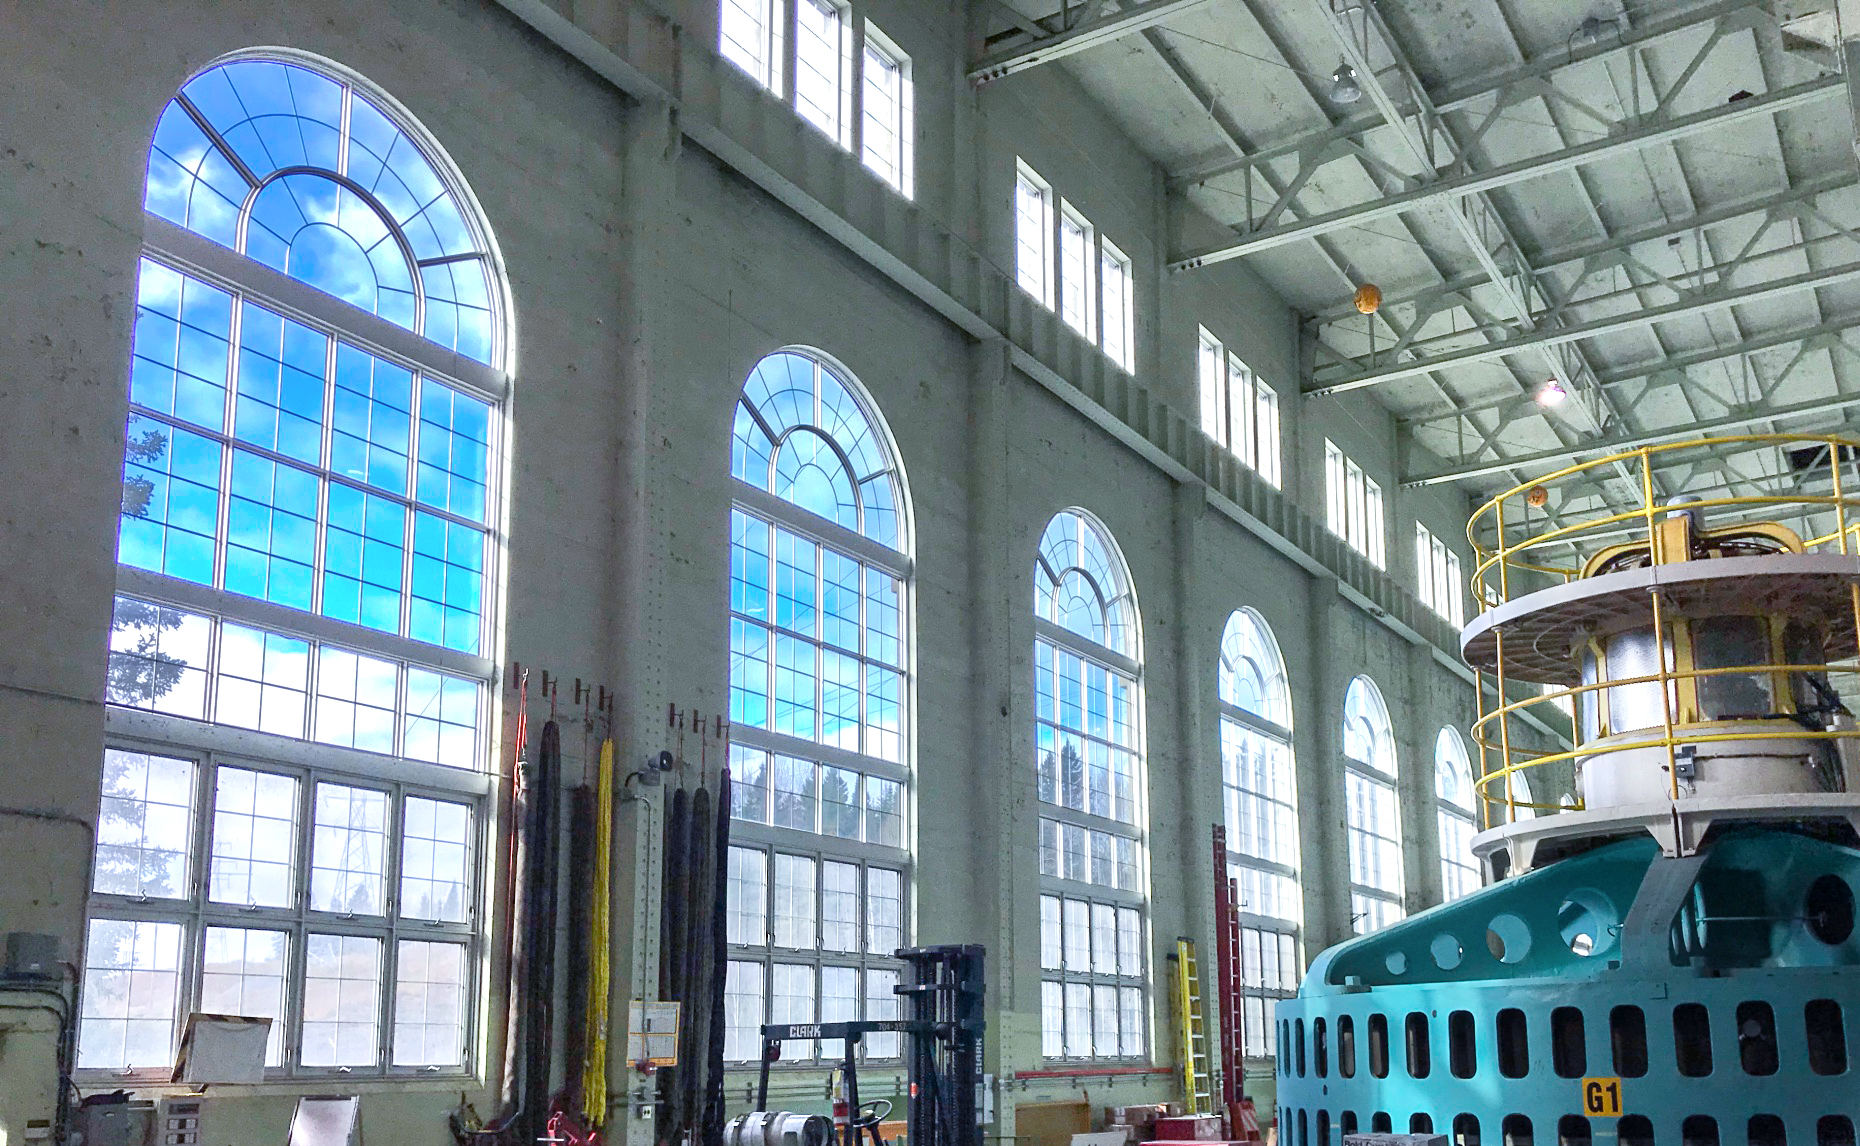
{"x": 1005, "y": 843}
{"x": 634, "y": 616}
{"x": 1417, "y": 724}
{"x": 1317, "y": 704}
{"x": 1198, "y": 777}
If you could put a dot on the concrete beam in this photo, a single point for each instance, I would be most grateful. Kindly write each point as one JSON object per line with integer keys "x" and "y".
{"x": 1102, "y": 27}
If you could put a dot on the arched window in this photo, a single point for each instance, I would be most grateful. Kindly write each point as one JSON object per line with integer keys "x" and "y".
{"x": 1261, "y": 802}
{"x": 294, "y": 791}
{"x": 820, "y": 849}
{"x": 1088, "y": 743}
{"x": 1453, "y": 789}
{"x": 1370, "y": 812}
{"x": 1521, "y": 797}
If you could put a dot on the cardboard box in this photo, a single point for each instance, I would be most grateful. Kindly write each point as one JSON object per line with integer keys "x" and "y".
{"x": 1131, "y": 1115}
{"x": 1195, "y": 1128}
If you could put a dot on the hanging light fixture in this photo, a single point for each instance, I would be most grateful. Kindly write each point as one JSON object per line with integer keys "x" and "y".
{"x": 1552, "y": 394}
{"x": 1343, "y": 85}
{"x": 1589, "y": 31}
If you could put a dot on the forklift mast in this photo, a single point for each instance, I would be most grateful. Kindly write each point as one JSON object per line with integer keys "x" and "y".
{"x": 942, "y": 990}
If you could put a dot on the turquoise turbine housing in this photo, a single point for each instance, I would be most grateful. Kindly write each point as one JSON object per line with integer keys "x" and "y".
{"x": 1614, "y": 994}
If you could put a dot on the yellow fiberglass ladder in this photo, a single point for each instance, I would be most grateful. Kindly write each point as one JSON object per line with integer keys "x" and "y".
{"x": 1197, "y": 1080}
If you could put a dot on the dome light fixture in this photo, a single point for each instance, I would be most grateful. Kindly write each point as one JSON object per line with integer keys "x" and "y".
{"x": 1343, "y": 85}
{"x": 1552, "y": 394}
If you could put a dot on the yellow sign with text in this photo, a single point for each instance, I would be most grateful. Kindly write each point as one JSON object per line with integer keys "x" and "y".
{"x": 1601, "y": 1097}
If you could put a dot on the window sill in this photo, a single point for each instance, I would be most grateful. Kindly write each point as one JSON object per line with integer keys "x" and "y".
{"x": 149, "y": 1086}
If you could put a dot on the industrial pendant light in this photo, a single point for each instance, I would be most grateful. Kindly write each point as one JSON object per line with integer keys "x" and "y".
{"x": 1343, "y": 85}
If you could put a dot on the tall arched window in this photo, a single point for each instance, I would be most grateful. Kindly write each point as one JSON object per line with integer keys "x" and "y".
{"x": 1088, "y": 744}
{"x": 1453, "y": 790}
{"x": 1370, "y": 812}
{"x": 820, "y": 851}
{"x": 296, "y": 780}
{"x": 1260, "y": 794}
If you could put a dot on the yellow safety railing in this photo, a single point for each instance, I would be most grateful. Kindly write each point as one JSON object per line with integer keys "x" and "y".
{"x": 1510, "y": 537}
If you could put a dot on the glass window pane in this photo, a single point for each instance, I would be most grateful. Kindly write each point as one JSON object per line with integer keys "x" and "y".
{"x": 132, "y": 979}
{"x": 1078, "y": 935}
{"x": 1052, "y": 942}
{"x": 242, "y": 972}
{"x": 749, "y": 784}
{"x": 1052, "y": 1020}
{"x": 158, "y": 658}
{"x": 442, "y": 719}
{"x": 1078, "y": 1020}
{"x": 839, "y": 803}
{"x": 743, "y": 1011}
{"x": 429, "y": 1004}
{"x": 839, "y": 994}
{"x": 884, "y": 910}
{"x": 1103, "y": 939}
{"x": 342, "y": 1000}
{"x": 884, "y": 812}
{"x": 263, "y": 682}
{"x": 794, "y": 902}
{"x": 748, "y": 896}
{"x": 348, "y": 849}
{"x": 881, "y": 1003}
{"x": 355, "y": 700}
{"x": 792, "y": 1000}
{"x": 144, "y": 825}
{"x": 839, "y": 906}
{"x": 795, "y": 793}
{"x": 254, "y": 839}
{"x": 435, "y": 860}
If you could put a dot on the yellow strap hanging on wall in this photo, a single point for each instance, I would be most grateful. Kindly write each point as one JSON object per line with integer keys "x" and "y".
{"x": 594, "y": 1072}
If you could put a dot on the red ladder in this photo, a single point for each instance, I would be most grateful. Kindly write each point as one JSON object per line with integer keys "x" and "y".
{"x": 1229, "y": 989}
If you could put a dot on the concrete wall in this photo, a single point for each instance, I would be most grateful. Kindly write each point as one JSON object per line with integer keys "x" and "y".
{"x": 646, "y": 280}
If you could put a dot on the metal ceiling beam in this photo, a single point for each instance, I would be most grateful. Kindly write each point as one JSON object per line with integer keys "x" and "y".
{"x": 1554, "y": 458}
{"x": 1745, "y": 209}
{"x": 1464, "y": 94}
{"x": 1478, "y": 222}
{"x": 1678, "y": 363}
{"x": 1693, "y": 303}
{"x": 1623, "y": 142}
{"x": 1098, "y": 23}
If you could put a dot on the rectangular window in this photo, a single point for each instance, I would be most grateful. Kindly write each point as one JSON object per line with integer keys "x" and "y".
{"x": 1211, "y": 374}
{"x": 1353, "y": 506}
{"x": 312, "y": 866}
{"x": 1459, "y": 872}
{"x": 1033, "y": 234}
{"x": 1094, "y": 959}
{"x": 1438, "y": 578}
{"x": 823, "y": 67}
{"x": 749, "y": 36}
{"x": 1375, "y": 850}
{"x": 1119, "y": 315}
{"x": 253, "y": 936}
{"x": 1266, "y": 430}
{"x": 888, "y": 115}
{"x": 1241, "y": 412}
{"x": 236, "y": 497}
{"x": 1075, "y": 270}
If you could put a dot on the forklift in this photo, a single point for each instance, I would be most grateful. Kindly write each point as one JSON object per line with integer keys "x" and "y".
{"x": 942, "y": 1060}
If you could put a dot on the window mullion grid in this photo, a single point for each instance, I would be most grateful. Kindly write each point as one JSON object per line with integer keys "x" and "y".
{"x": 222, "y": 521}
